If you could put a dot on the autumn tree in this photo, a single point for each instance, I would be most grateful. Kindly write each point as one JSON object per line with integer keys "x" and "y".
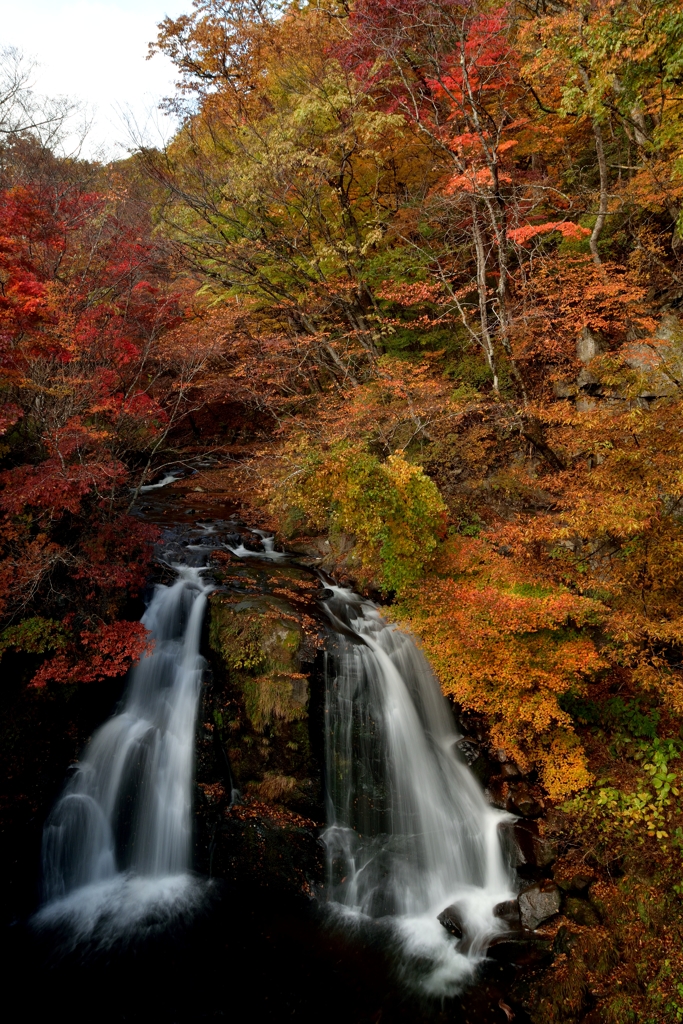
{"x": 89, "y": 397}
{"x": 281, "y": 186}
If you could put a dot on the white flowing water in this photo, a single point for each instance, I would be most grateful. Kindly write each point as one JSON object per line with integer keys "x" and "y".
{"x": 410, "y": 831}
{"x": 268, "y": 549}
{"x": 117, "y": 847}
{"x": 169, "y": 478}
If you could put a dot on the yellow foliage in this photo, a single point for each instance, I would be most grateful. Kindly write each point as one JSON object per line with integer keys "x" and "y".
{"x": 392, "y": 509}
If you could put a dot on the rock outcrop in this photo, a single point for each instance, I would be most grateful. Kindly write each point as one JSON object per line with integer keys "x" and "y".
{"x": 260, "y": 749}
{"x": 538, "y": 903}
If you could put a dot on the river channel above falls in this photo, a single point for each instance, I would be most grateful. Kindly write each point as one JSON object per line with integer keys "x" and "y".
{"x": 309, "y": 887}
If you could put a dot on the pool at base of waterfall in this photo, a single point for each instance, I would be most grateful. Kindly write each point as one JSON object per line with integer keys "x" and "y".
{"x": 242, "y": 953}
{"x": 425, "y": 960}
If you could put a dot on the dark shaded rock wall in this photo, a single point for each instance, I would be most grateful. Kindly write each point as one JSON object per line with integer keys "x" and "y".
{"x": 261, "y": 740}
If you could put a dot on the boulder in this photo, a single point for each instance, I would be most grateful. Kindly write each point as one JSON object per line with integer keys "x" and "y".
{"x": 511, "y": 847}
{"x": 564, "y": 389}
{"x": 589, "y": 344}
{"x": 515, "y": 795}
{"x": 653, "y": 360}
{"x": 470, "y": 750}
{"x": 509, "y": 912}
{"x": 534, "y": 850}
{"x": 523, "y": 950}
{"x": 588, "y": 382}
{"x": 451, "y": 919}
{"x": 661, "y": 358}
{"x": 525, "y": 800}
{"x": 577, "y": 882}
{"x": 538, "y": 902}
{"x": 498, "y": 792}
{"x": 572, "y": 873}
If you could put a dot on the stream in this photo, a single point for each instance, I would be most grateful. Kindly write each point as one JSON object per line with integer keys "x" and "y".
{"x": 408, "y": 833}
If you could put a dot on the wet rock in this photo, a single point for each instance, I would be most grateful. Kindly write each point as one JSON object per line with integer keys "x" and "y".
{"x": 539, "y": 902}
{"x": 581, "y": 912}
{"x": 511, "y": 848}
{"x": 572, "y": 874}
{"x": 273, "y": 849}
{"x": 451, "y": 919}
{"x": 532, "y": 849}
{"x": 574, "y": 883}
{"x": 498, "y": 792}
{"x": 520, "y": 948}
{"x": 516, "y": 795}
{"x": 509, "y": 770}
{"x": 260, "y": 702}
{"x": 473, "y": 726}
{"x": 509, "y": 913}
{"x": 470, "y": 750}
{"x": 525, "y": 800}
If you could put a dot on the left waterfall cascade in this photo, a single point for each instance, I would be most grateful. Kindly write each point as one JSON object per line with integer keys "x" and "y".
{"x": 117, "y": 846}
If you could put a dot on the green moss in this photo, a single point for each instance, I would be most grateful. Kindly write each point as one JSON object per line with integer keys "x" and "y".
{"x": 258, "y": 645}
{"x": 236, "y": 638}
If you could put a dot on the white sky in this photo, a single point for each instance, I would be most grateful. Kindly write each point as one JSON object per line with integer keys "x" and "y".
{"x": 94, "y": 51}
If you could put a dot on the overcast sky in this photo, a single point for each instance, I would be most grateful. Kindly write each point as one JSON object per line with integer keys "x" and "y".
{"x": 94, "y": 50}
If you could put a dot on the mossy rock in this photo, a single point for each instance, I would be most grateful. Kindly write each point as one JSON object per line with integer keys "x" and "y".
{"x": 258, "y": 701}
{"x": 258, "y": 640}
{"x": 581, "y": 912}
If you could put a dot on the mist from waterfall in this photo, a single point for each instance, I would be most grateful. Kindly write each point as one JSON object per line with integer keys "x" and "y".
{"x": 117, "y": 847}
{"x": 409, "y": 829}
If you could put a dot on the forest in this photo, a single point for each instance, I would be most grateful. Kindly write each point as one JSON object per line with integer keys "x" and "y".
{"x": 409, "y": 279}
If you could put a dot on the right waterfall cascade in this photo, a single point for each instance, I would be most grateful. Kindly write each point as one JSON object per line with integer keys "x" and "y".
{"x": 410, "y": 831}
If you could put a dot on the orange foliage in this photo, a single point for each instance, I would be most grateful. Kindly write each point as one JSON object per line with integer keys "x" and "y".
{"x": 509, "y": 650}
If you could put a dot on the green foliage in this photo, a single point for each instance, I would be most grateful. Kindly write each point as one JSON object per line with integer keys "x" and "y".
{"x": 237, "y": 638}
{"x": 410, "y": 339}
{"x": 614, "y": 714}
{"x": 468, "y": 524}
{"x": 614, "y": 813}
{"x": 258, "y": 646}
{"x": 392, "y": 509}
{"x": 36, "y": 635}
{"x": 532, "y": 590}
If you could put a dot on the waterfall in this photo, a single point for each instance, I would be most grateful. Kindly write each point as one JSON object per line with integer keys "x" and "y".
{"x": 117, "y": 847}
{"x": 409, "y": 829}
